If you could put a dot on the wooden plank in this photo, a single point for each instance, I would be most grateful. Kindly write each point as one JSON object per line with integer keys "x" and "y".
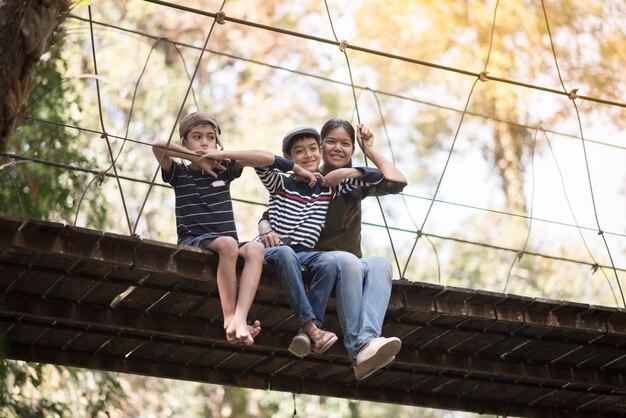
{"x": 467, "y": 349}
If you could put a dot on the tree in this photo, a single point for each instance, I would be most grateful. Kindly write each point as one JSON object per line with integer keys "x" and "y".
{"x": 457, "y": 34}
{"x": 26, "y": 32}
{"x": 32, "y": 188}
{"x": 32, "y": 87}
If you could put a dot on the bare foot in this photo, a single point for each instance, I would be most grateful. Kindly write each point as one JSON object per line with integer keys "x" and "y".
{"x": 255, "y": 328}
{"x": 231, "y": 338}
{"x": 239, "y": 332}
{"x": 231, "y": 335}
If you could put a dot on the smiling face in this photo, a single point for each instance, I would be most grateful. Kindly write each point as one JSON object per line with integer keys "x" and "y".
{"x": 201, "y": 137}
{"x": 337, "y": 149}
{"x": 306, "y": 153}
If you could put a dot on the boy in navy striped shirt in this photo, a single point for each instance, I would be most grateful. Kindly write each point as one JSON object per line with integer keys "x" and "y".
{"x": 204, "y": 214}
{"x": 297, "y": 213}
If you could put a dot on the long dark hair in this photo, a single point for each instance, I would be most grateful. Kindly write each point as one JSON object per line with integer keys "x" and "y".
{"x": 353, "y": 198}
{"x": 338, "y": 123}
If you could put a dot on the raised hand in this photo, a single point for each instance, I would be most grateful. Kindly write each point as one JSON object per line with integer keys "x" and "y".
{"x": 365, "y": 137}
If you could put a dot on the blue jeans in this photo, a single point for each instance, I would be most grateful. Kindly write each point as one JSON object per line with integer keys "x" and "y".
{"x": 287, "y": 263}
{"x": 363, "y": 291}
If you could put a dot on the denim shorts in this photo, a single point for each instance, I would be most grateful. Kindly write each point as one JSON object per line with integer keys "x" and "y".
{"x": 199, "y": 241}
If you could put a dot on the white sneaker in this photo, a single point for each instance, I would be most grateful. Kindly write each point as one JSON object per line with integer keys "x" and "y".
{"x": 376, "y": 353}
{"x": 300, "y": 345}
{"x": 361, "y": 373}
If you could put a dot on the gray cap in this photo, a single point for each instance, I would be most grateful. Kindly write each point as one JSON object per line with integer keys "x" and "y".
{"x": 197, "y": 118}
{"x": 299, "y": 133}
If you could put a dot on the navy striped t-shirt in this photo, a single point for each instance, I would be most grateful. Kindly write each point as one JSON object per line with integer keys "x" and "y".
{"x": 203, "y": 203}
{"x": 296, "y": 211}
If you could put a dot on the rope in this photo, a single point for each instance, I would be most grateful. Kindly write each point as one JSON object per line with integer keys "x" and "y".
{"x": 427, "y": 235}
{"x": 218, "y": 18}
{"x": 330, "y": 80}
{"x": 572, "y": 96}
{"x": 571, "y": 209}
{"x": 497, "y": 247}
{"x": 443, "y": 172}
{"x": 406, "y": 206}
{"x": 403, "y": 194}
{"x": 17, "y": 193}
{"x": 130, "y": 114}
{"x": 380, "y": 53}
{"x": 342, "y": 47}
{"x": 104, "y": 135}
{"x": 481, "y": 77}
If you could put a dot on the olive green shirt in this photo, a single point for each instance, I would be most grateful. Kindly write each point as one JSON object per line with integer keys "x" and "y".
{"x": 334, "y": 236}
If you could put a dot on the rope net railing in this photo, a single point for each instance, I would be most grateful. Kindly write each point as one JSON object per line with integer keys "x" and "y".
{"x": 345, "y": 48}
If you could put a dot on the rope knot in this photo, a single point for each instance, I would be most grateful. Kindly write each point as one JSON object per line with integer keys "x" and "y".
{"x": 483, "y": 76}
{"x": 520, "y": 254}
{"x": 595, "y": 268}
{"x": 220, "y": 17}
{"x": 104, "y": 135}
{"x": 100, "y": 177}
{"x": 572, "y": 94}
{"x": 12, "y": 164}
{"x": 600, "y": 232}
{"x": 419, "y": 233}
{"x": 343, "y": 45}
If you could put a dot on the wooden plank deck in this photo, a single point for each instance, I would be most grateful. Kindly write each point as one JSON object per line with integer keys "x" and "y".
{"x": 86, "y": 298}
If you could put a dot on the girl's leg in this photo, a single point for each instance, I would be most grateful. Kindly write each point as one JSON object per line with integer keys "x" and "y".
{"x": 227, "y": 250}
{"x": 377, "y": 275}
{"x": 253, "y": 254}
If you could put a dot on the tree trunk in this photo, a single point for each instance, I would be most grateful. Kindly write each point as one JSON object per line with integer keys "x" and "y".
{"x": 26, "y": 29}
{"x": 508, "y": 158}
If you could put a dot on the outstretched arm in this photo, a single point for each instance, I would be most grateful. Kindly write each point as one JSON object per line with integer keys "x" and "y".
{"x": 337, "y": 176}
{"x": 249, "y": 158}
{"x": 366, "y": 141}
{"x": 164, "y": 152}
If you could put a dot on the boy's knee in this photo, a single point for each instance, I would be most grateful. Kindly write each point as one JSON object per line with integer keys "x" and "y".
{"x": 225, "y": 247}
{"x": 253, "y": 250}
{"x": 284, "y": 254}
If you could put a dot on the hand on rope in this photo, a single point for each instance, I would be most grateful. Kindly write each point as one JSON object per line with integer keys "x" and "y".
{"x": 365, "y": 137}
{"x": 267, "y": 235}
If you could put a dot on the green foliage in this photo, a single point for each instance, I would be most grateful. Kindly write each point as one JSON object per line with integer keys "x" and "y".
{"x": 32, "y": 189}
{"x": 36, "y": 190}
{"x": 32, "y": 390}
